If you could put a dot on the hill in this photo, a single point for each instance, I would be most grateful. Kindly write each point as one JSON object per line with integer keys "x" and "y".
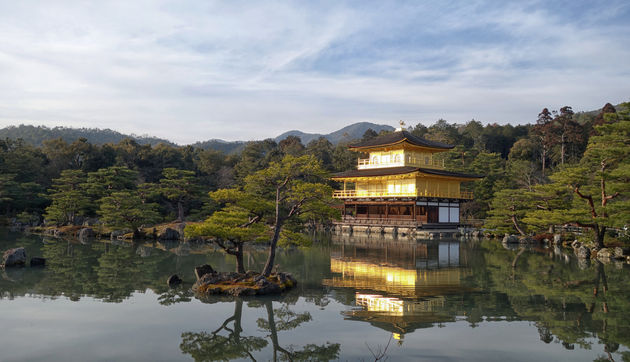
{"x": 36, "y": 135}
{"x": 348, "y": 133}
{"x": 221, "y": 145}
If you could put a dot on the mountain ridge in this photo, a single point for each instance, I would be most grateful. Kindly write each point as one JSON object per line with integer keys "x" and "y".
{"x": 347, "y": 133}
{"x": 36, "y": 135}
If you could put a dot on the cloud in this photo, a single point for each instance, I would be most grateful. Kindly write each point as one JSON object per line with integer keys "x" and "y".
{"x": 195, "y": 70}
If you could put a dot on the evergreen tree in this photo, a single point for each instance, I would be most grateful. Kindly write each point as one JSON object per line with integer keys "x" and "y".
{"x": 544, "y": 135}
{"x": 292, "y": 145}
{"x": 69, "y": 200}
{"x": 508, "y": 208}
{"x": 180, "y": 187}
{"x": 127, "y": 209}
{"x": 230, "y": 229}
{"x": 8, "y": 190}
{"x": 600, "y": 183}
{"x": 277, "y": 195}
{"x": 105, "y": 181}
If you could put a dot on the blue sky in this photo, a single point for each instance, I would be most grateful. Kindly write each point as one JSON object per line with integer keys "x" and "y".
{"x": 195, "y": 70}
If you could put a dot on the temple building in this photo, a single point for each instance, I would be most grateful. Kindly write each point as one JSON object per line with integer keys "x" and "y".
{"x": 402, "y": 183}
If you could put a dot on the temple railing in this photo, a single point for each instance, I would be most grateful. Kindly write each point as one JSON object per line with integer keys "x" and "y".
{"x": 366, "y": 163}
{"x": 351, "y": 194}
{"x": 351, "y": 220}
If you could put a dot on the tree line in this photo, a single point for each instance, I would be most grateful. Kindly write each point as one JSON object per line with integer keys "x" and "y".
{"x": 65, "y": 182}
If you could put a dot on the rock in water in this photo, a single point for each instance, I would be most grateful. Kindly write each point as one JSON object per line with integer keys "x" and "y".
{"x": 168, "y": 234}
{"x": 557, "y": 239}
{"x": 621, "y": 253}
{"x": 526, "y": 240}
{"x": 14, "y": 257}
{"x": 86, "y": 233}
{"x": 583, "y": 252}
{"x": 202, "y": 270}
{"x": 603, "y": 253}
{"x": 510, "y": 239}
{"x": 173, "y": 280}
{"x": 35, "y": 261}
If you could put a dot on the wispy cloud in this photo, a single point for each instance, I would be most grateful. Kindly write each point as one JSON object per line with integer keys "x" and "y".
{"x": 194, "y": 70}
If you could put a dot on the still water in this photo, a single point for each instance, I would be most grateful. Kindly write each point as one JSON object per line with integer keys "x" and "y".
{"x": 357, "y": 299}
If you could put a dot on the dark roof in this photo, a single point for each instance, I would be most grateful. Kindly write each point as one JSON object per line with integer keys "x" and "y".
{"x": 371, "y": 172}
{"x": 433, "y": 171}
{"x": 399, "y": 136}
{"x": 376, "y": 172}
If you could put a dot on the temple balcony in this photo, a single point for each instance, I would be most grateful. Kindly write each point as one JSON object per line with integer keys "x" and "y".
{"x": 366, "y": 163}
{"x": 352, "y": 194}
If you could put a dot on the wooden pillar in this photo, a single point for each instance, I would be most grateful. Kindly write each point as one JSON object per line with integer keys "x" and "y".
{"x": 386, "y": 211}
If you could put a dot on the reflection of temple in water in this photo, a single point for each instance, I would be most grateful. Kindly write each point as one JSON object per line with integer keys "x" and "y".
{"x": 399, "y": 286}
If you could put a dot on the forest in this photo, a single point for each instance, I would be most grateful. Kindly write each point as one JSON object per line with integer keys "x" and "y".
{"x": 563, "y": 168}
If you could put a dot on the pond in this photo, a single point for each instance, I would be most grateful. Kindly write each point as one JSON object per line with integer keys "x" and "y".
{"x": 357, "y": 299}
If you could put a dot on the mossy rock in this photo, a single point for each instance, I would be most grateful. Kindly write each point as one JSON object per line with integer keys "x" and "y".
{"x": 248, "y": 284}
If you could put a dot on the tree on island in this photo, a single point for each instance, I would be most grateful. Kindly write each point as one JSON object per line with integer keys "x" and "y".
{"x": 279, "y": 197}
{"x": 231, "y": 227}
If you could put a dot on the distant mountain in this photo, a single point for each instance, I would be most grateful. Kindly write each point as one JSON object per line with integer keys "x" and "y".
{"x": 221, "y": 145}
{"x": 348, "y": 133}
{"x": 36, "y": 135}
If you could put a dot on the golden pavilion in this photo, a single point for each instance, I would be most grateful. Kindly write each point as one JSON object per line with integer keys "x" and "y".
{"x": 402, "y": 183}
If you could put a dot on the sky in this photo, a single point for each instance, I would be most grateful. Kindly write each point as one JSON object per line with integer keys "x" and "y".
{"x": 243, "y": 70}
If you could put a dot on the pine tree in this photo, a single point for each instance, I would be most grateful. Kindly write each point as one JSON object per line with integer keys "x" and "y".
{"x": 179, "y": 187}
{"x": 68, "y": 196}
{"x": 127, "y": 209}
{"x": 600, "y": 183}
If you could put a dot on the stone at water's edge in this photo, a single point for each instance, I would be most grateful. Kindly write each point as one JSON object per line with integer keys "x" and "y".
{"x": 248, "y": 284}
{"x": 621, "y": 253}
{"x": 168, "y": 234}
{"x": 14, "y": 257}
{"x": 583, "y": 252}
{"x": 510, "y": 239}
{"x": 86, "y": 233}
{"x": 35, "y": 261}
{"x": 526, "y": 240}
{"x": 202, "y": 270}
{"x": 557, "y": 238}
{"x": 603, "y": 253}
{"x": 174, "y": 280}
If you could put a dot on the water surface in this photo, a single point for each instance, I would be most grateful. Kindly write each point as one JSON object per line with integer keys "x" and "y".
{"x": 357, "y": 298}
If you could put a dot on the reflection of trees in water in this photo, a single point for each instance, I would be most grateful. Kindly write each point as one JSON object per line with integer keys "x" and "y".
{"x": 101, "y": 270}
{"x": 574, "y": 304}
{"x": 204, "y": 346}
{"x": 181, "y": 294}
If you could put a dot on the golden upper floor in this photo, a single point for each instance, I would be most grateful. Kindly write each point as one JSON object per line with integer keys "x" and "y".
{"x": 401, "y": 164}
{"x": 400, "y": 148}
{"x": 401, "y": 157}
